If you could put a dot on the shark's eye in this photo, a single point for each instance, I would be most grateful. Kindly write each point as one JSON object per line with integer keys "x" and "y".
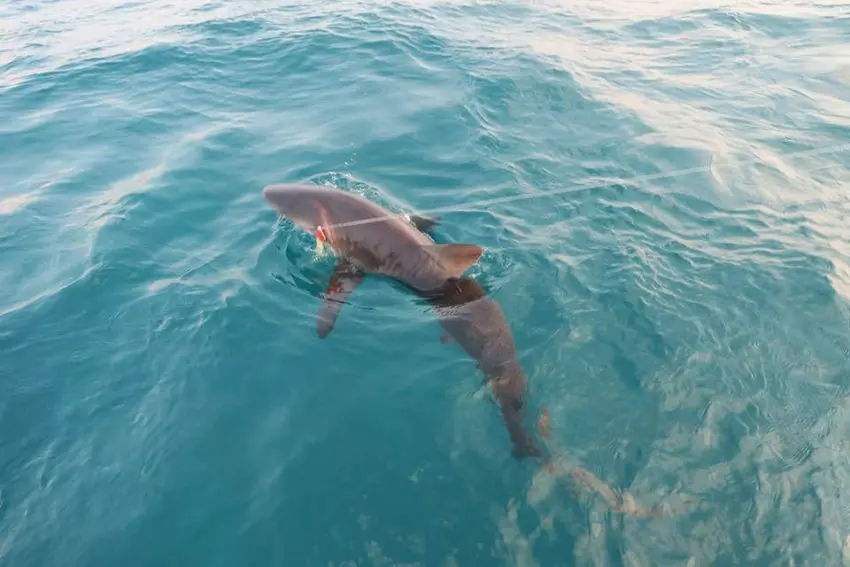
{"x": 517, "y": 404}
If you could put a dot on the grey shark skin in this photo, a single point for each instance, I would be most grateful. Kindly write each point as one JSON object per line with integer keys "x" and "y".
{"x": 400, "y": 250}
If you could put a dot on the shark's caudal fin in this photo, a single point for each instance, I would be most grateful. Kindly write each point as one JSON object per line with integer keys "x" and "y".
{"x": 345, "y": 278}
{"x": 423, "y": 223}
{"x": 620, "y": 501}
{"x": 456, "y": 258}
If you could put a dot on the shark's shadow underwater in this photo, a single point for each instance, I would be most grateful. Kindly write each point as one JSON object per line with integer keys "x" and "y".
{"x": 368, "y": 239}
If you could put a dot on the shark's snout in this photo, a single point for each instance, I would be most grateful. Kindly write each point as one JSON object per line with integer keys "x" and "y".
{"x": 295, "y": 202}
{"x": 280, "y": 196}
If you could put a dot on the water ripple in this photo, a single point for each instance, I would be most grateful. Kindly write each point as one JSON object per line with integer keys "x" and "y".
{"x": 162, "y": 381}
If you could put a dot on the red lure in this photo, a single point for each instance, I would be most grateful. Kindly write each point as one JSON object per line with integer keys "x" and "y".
{"x": 321, "y": 238}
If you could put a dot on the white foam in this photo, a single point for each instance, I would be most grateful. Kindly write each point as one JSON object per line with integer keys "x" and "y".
{"x": 11, "y": 204}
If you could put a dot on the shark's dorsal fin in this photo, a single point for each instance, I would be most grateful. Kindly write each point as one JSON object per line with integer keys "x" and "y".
{"x": 456, "y": 258}
{"x": 346, "y": 277}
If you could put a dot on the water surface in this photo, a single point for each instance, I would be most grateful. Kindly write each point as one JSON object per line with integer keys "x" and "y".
{"x": 164, "y": 399}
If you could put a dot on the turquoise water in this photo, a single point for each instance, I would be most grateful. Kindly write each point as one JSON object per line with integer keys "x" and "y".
{"x": 164, "y": 399}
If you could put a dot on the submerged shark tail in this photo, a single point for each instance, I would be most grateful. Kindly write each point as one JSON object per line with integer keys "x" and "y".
{"x": 619, "y": 501}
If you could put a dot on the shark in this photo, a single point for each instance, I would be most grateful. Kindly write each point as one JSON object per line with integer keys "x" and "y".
{"x": 368, "y": 239}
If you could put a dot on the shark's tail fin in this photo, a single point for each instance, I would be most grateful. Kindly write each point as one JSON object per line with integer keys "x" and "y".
{"x": 620, "y": 501}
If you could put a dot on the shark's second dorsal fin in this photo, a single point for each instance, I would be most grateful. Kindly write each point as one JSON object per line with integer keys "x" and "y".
{"x": 456, "y": 258}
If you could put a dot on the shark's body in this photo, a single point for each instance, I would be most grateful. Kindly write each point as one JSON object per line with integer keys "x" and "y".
{"x": 388, "y": 245}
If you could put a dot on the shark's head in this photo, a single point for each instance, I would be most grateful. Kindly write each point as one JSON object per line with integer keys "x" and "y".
{"x": 300, "y": 203}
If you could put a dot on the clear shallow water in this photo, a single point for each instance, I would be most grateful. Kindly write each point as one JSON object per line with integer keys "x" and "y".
{"x": 164, "y": 399}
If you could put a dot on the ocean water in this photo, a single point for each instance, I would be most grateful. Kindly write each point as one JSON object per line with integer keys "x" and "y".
{"x": 662, "y": 190}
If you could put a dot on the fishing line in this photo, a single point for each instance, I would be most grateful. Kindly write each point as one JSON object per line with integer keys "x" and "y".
{"x": 589, "y": 185}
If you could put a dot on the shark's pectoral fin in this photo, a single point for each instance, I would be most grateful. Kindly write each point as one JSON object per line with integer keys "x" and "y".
{"x": 423, "y": 223}
{"x": 456, "y": 258}
{"x": 345, "y": 278}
